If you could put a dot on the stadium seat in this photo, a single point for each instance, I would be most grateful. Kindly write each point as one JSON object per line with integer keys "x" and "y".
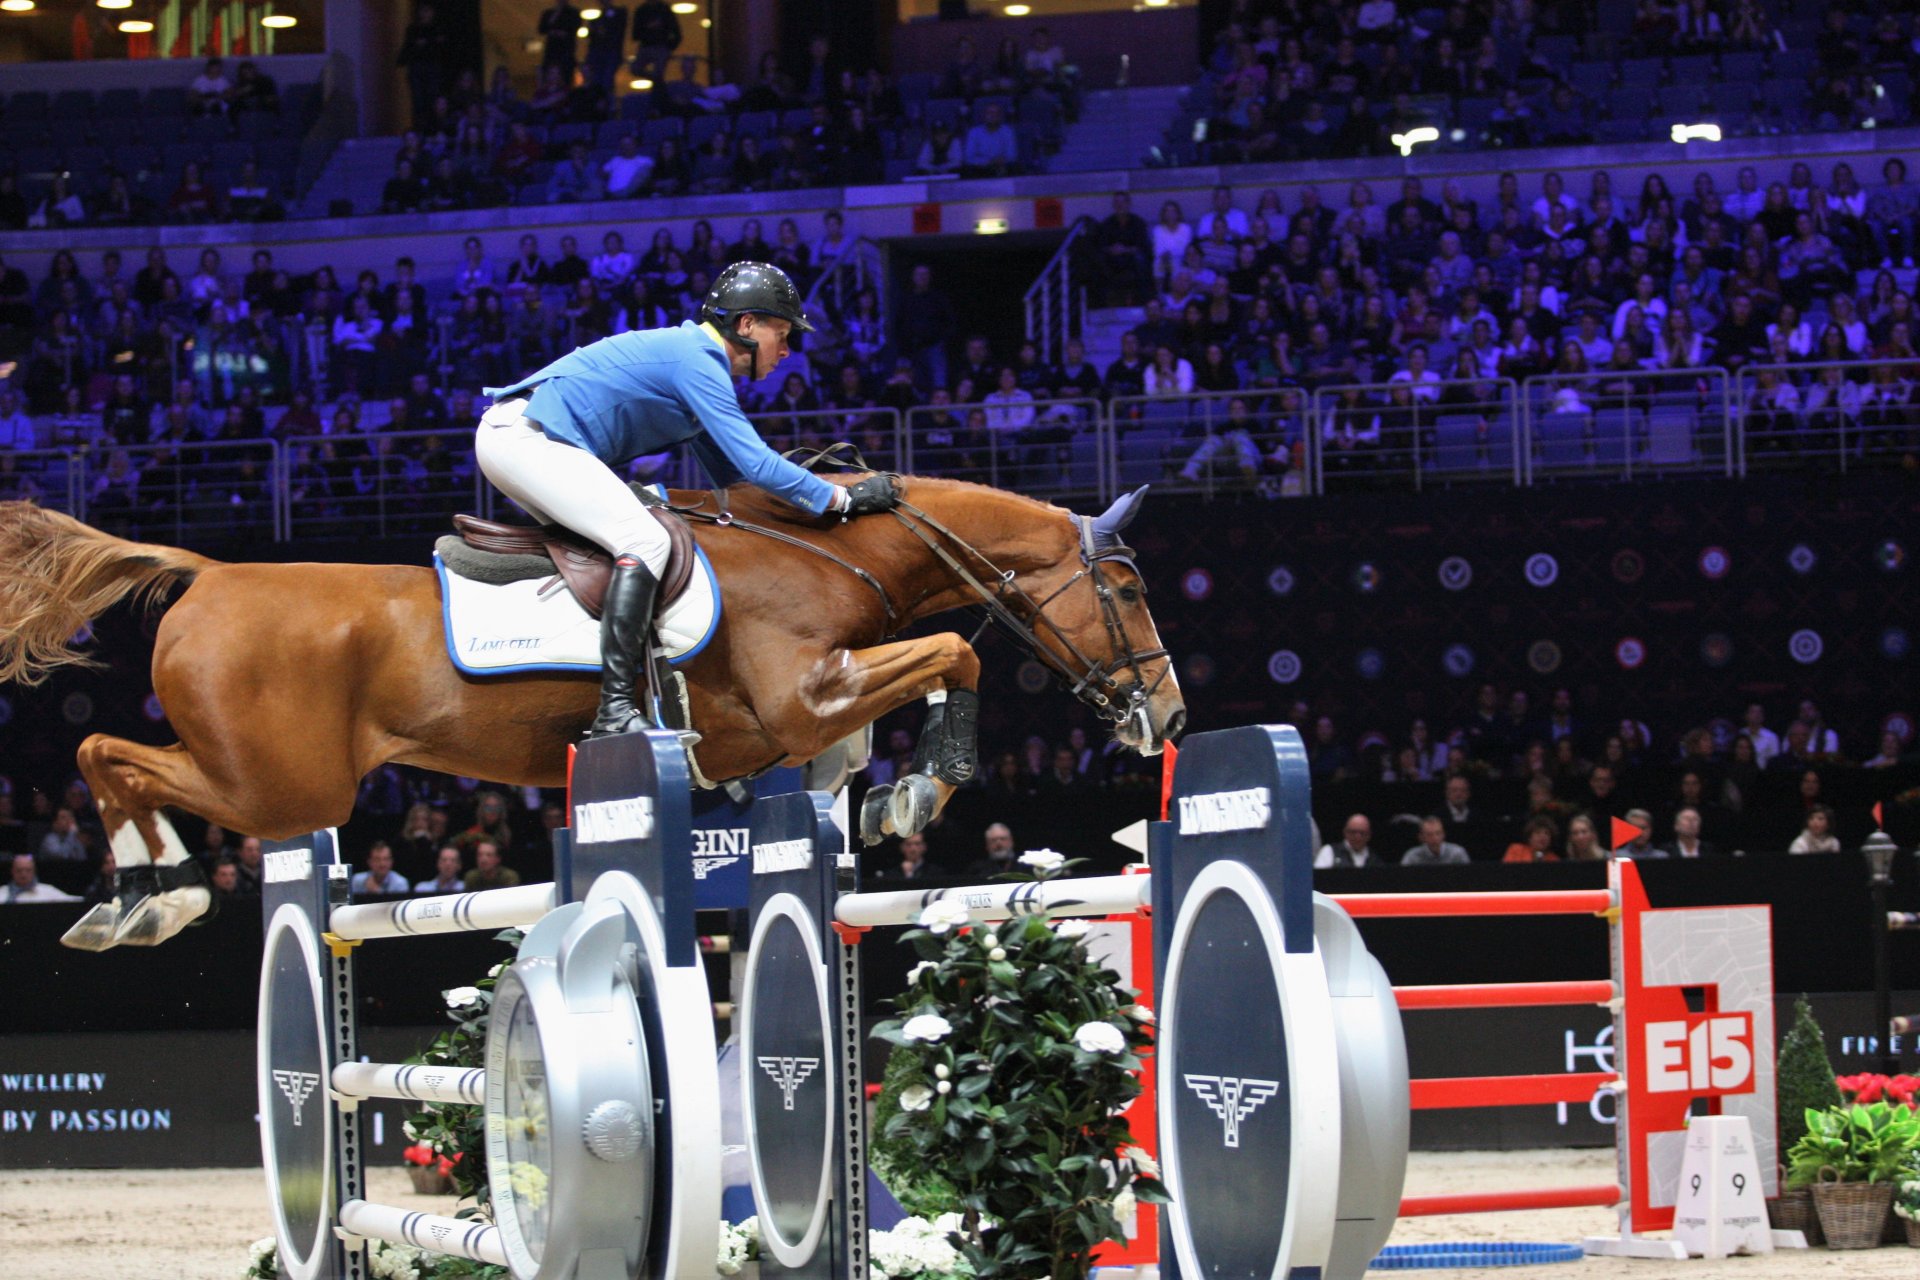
{"x": 1670, "y": 440}
{"x": 1143, "y": 453}
{"x": 701, "y": 129}
{"x": 1456, "y": 445}
{"x": 755, "y": 124}
{"x": 1616, "y": 436}
{"x": 1560, "y": 440}
{"x": 166, "y": 103}
{"x": 28, "y": 107}
{"x": 635, "y": 107}
{"x": 659, "y": 129}
{"x": 609, "y": 132}
{"x": 945, "y": 111}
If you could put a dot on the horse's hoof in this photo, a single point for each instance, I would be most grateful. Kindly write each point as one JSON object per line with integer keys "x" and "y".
{"x": 95, "y": 930}
{"x": 873, "y": 815}
{"x": 913, "y": 802}
{"x": 157, "y": 918}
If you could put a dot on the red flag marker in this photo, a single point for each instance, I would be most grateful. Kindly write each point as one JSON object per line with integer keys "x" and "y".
{"x": 1624, "y": 833}
{"x": 1879, "y": 823}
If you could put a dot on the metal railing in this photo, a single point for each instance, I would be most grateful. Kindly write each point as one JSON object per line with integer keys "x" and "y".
{"x": 861, "y": 266}
{"x": 1042, "y": 448}
{"x": 1619, "y": 423}
{"x": 379, "y": 483}
{"x": 1379, "y": 434}
{"x": 876, "y": 431}
{"x": 1055, "y": 303}
{"x": 1789, "y": 415}
{"x": 51, "y": 477}
{"x": 1195, "y": 443}
{"x": 181, "y": 492}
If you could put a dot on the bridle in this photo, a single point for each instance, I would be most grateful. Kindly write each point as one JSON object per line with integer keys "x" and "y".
{"x": 1094, "y": 683}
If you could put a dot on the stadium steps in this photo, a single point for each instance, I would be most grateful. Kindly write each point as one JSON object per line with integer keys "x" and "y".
{"x": 358, "y": 171}
{"x": 1116, "y": 128}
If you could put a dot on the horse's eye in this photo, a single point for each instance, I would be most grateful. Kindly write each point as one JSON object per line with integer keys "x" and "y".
{"x": 1130, "y": 595}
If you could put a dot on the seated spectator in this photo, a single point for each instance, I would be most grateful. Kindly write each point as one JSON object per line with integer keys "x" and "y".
{"x": 16, "y": 428}
{"x": 25, "y": 884}
{"x": 1233, "y": 435}
{"x": 448, "y": 876}
{"x": 1583, "y": 840}
{"x": 64, "y": 841}
{"x": 253, "y": 89}
{"x": 627, "y": 171}
{"x": 193, "y": 200}
{"x": 1536, "y": 842}
{"x": 575, "y": 178}
{"x": 1353, "y": 849}
{"x": 61, "y": 207}
{"x": 1686, "y": 842}
{"x": 912, "y": 866}
{"x": 992, "y": 148}
{"x": 1433, "y": 849}
{"x": 941, "y": 153}
{"x": 1817, "y": 836}
{"x": 405, "y": 191}
{"x": 250, "y": 199}
{"x": 211, "y": 92}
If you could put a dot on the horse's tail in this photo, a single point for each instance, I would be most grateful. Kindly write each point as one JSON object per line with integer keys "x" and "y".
{"x": 57, "y": 575}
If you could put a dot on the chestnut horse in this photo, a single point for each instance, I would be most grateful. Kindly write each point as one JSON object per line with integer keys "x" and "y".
{"x": 288, "y": 683}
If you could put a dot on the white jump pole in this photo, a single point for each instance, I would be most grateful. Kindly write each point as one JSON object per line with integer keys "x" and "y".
{"x": 461, "y": 1237}
{"x": 450, "y": 913}
{"x": 356, "y": 1081}
{"x": 1091, "y": 896}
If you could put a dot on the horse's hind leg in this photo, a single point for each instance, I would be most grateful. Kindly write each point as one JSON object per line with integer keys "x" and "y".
{"x": 160, "y": 889}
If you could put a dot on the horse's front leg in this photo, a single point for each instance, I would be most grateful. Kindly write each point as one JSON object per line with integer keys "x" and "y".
{"x": 854, "y": 687}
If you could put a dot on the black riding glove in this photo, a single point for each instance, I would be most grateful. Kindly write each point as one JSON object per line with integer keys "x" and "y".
{"x": 870, "y": 496}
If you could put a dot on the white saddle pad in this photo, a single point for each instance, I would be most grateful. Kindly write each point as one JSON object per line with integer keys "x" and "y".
{"x": 502, "y": 630}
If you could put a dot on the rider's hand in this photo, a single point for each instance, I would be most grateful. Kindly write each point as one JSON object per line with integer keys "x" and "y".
{"x": 874, "y": 494}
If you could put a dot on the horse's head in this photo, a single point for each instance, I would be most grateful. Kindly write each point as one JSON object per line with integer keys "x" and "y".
{"x": 1092, "y": 626}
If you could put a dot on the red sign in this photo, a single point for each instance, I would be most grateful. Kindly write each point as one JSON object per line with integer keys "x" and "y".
{"x": 1048, "y": 214}
{"x": 1703, "y": 1055}
{"x": 926, "y": 219}
{"x": 1624, "y": 833}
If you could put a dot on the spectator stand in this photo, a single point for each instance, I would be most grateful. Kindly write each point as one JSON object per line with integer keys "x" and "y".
{"x": 1614, "y": 423}
{"x": 1397, "y": 435}
{"x": 876, "y": 430}
{"x": 378, "y": 482}
{"x": 1864, "y": 418}
{"x": 1054, "y": 448}
{"x": 51, "y": 477}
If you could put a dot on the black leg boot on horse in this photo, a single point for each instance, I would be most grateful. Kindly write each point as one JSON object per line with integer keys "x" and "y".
{"x": 948, "y": 751}
{"x": 626, "y": 630}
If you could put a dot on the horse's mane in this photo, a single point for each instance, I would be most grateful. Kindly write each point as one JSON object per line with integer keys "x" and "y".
{"x": 937, "y": 495}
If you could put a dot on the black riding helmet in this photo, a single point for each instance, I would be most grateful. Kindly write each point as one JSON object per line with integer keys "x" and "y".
{"x": 752, "y": 288}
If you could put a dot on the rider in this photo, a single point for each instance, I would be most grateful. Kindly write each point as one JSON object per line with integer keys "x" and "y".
{"x": 550, "y": 442}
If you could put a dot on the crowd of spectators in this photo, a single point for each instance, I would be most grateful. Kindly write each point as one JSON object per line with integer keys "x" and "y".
{"x": 1512, "y": 782}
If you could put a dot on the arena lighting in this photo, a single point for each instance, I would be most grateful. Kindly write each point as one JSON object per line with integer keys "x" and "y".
{"x": 1414, "y": 137}
{"x": 280, "y": 21}
{"x": 580, "y": 34}
{"x": 17, "y": 6}
{"x": 116, "y": 4}
{"x": 990, "y": 227}
{"x": 1696, "y": 132}
{"x": 589, "y": 15}
{"x": 684, "y": 7}
{"x": 1017, "y": 10}
{"x": 1158, "y": 4}
{"x": 136, "y": 26}
{"x": 639, "y": 86}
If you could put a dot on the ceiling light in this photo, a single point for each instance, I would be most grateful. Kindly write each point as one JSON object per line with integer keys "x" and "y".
{"x": 1692, "y": 132}
{"x": 639, "y": 86}
{"x": 136, "y": 26}
{"x": 589, "y": 15}
{"x": 279, "y": 21}
{"x": 684, "y": 7}
{"x": 990, "y": 227}
{"x": 1017, "y": 10}
{"x": 1414, "y": 137}
{"x": 706, "y": 22}
{"x": 116, "y": 4}
{"x": 1156, "y": 4}
{"x": 580, "y": 33}
{"x": 17, "y": 6}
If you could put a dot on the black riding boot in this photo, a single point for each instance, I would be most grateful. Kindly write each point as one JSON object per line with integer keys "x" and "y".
{"x": 626, "y": 629}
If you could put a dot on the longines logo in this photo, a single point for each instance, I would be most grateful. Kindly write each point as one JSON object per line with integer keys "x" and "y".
{"x": 288, "y": 864}
{"x": 298, "y": 1086}
{"x": 716, "y": 847}
{"x": 782, "y": 855}
{"x": 1217, "y": 811}
{"x": 607, "y": 821}
{"x": 788, "y": 1074}
{"x": 1232, "y": 1099}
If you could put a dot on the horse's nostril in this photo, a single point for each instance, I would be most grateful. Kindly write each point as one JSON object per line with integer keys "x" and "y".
{"x": 1176, "y": 722}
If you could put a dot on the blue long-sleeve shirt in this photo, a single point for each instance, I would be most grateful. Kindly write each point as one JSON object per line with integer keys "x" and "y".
{"x": 644, "y": 392}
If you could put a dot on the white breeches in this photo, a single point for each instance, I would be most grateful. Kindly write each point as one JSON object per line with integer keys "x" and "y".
{"x": 556, "y": 483}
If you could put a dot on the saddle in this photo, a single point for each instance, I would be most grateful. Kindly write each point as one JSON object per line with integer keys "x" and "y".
{"x": 581, "y": 564}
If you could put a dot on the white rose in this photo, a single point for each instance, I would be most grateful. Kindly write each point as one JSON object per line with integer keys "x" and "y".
{"x": 499, "y": 969}
{"x": 1145, "y": 1165}
{"x": 916, "y": 1097}
{"x": 1043, "y": 860}
{"x": 1124, "y": 1206}
{"x": 749, "y": 1228}
{"x": 1073, "y": 928}
{"x": 913, "y": 974}
{"x": 1141, "y": 1014}
{"x": 263, "y": 1248}
{"x": 927, "y": 1027}
{"x": 461, "y": 997}
{"x": 1099, "y": 1037}
{"x": 938, "y": 917}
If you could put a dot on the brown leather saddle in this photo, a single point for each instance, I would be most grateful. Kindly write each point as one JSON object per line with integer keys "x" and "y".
{"x": 583, "y": 565}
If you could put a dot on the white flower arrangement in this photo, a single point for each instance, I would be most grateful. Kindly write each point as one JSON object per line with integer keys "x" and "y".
{"x": 925, "y": 966}
{"x": 929, "y": 1028}
{"x": 915, "y": 1247}
{"x": 941, "y": 916}
{"x": 738, "y": 1246}
{"x": 1074, "y": 928}
{"x": 461, "y": 997}
{"x": 1099, "y": 1037}
{"x": 1906, "y": 1200}
{"x": 916, "y": 1097}
{"x": 1043, "y": 859}
{"x": 1143, "y": 1163}
{"x": 394, "y": 1261}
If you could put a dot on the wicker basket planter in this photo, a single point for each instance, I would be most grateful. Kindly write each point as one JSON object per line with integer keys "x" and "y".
{"x": 1794, "y": 1211}
{"x": 429, "y": 1181}
{"x": 1853, "y": 1214}
{"x": 1913, "y": 1232}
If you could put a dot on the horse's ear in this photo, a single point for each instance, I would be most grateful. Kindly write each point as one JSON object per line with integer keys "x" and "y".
{"x": 1110, "y": 523}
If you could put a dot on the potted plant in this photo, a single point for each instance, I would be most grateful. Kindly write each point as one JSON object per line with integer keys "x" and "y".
{"x": 1906, "y": 1198}
{"x": 1851, "y": 1157}
{"x": 1806, "y": 1083}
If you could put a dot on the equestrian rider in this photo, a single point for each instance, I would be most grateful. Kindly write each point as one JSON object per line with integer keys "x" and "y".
{"x": 550, "y": 442}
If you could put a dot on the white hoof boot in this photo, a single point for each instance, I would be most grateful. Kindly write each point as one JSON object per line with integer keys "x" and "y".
{"x": 155, "y": 919}
{"x": 95, "y": 930}
{"x": 911, "y": 806}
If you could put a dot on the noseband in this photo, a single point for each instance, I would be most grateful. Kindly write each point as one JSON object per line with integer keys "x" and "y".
{"x": 1010, "y": 607}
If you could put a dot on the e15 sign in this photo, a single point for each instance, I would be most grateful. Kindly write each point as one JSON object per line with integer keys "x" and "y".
{"x": 1706, "y": 1054}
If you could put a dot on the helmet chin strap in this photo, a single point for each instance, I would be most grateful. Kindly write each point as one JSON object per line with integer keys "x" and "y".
{"x": 731, "y": 332}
